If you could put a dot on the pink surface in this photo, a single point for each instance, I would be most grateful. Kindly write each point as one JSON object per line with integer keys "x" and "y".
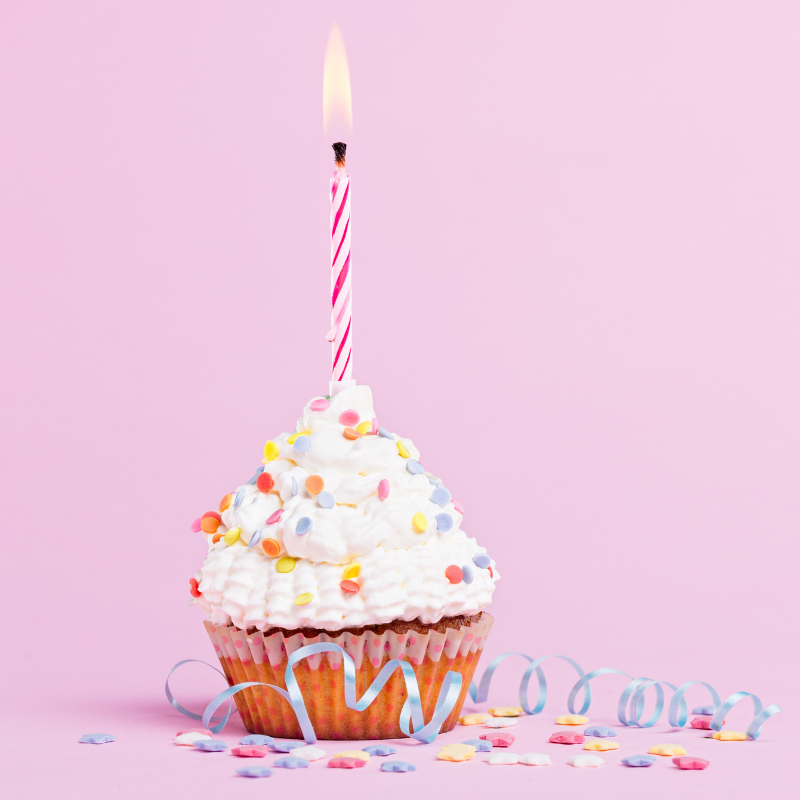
{"x": 575, "y": 286}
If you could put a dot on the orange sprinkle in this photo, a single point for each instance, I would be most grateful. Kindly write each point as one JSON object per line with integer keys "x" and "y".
{"x": 216, "y": 537}
{"x": 352, "y": 433}
{"x": 265, "y": 482}
{"x": 209, "y": 525}
{"x": 314, "y": 484}
{"x": 271, "y": 547}
{"x": 454, "y": 574}
{"x": 225, "y": 502}
{"x": 213, "y": 515}
{"x": 350, "y": 586}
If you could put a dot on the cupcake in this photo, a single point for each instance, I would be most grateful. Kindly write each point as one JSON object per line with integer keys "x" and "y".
{"x": 342, "y": 536}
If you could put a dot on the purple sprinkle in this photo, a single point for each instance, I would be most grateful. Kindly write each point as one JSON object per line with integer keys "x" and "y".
{"x": 254, "y": 772}
{"x": 302, "y": 444}
{"x": 380, "y": 750}
{"x": 294, "y": 486}
{"x": 414, "y": 467}
{"x": 481, "y": 745}
{"x": 97, "y": 738}
{"x": 303, "y": 527}
{"x": 386, "y": 435}
{"x": 441, "y": 496}
{"x": 481, "y": 560}
{"x": 600, "y": 731}
{"x": 704, "y": 711}
{"x": 211, "y": 745}
{"x": 255, "y": 539}
{"x": 397, "y": 766}
{"x": 466, "y": 573}
{"x": 286, "y": 745}
{"x": 257, "y": 739}
{"x": 639, "y": 761}
{"x": 326, "y": 500}
{"x": 291, "y": 762}
{"x": 444, "y": 522}
{"x": 238, "y": 499}
{"x": 252, "y": 481}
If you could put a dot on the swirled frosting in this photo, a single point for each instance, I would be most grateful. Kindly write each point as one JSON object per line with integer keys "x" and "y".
{"x": 381, "y": 523}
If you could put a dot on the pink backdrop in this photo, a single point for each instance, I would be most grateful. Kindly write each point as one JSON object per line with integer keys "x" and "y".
{"x": 575, "y": 286}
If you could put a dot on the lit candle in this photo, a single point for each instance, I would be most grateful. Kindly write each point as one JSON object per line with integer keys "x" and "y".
{"x": 341, "y": 333}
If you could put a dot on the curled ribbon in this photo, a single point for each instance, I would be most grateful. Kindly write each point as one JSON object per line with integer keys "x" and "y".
{"x": 629, "y": 707}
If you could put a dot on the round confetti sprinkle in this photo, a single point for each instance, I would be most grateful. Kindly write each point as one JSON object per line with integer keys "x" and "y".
{"x": 308, "y": 752}
{"x": 209, "y": 524}
{"x": 211, "y": 745}
{"x": 383, "y": 489}
{"x": 380, "y": 750}
{"x": 350, "y": 586}
{"x": 303, "y": 444}
{"x": 506, "y": 711}
{"x": 195, "y": 526}
{"x": 265, "y": 482}
{"x": 458, "y": 507}
{"x": 535, "y": 759}
{"x": 453, "y": 574}
{"x": 585, "y": 760}
{"x": 599, "y": 730}
{"x": 225, "y": 502}
{"x": 690, "y": 762}
{"x": 499, "y": 739}
{"x": 414, "y": 467}
{"x": 271, "y": 451}
{"x": 232, "y": 536}
{"x": 503, "y": 758}
{"x": 257, "y": 738}
{"x": 271, "y": 547}
{"x": 314, "y": 484}
{"x": 96, "y": 738}
{"x": 254, "y": 539}
{"x": 601, "y": 746}
{"x": 444, "y": 522}
{"x": 403, "y": 450}
{"x": 397, "y": 766}
{"x": 286, "y": 745}
{"x": 351, "y": 571}
{"x": 239, "y": 497}
{"x": 420, "y": 522}
{"x": 253, "y": 480}
{"x": 273, "y": 518}
{"x": 215, "y": 538}
{"x": 440, "y": 496}
{"x": 386, "y": 435}
{"x": 326, "y": 500}
{"x": 707, "y": 711}
{"x": 374, "y": 429}
{"x": 190, "y": 737}
{"x": 349, "y": 418}
{"x": 194, "y": 591}
{"x": 250, "y": 751}
{"x": 666, "y": 750}
{"x": 501, "y": 722}
{"x": 466, "y": 573}
{"x": 571, "y": 719}
{"x": 346, "y": 763}
{"x": 567, "y": 738}
{"x": 320, "y": 404}
{"x": 294, "y": 486}
{"x": 364, "y": 427}
{"x": 285, "y": 564}
{"x": 723, "y": 736}
{"x": 303, "y": 599}
{"x": 639, "y": 761}
{"x": 457, "y": 752}
{"x": 254, "y": 772}
{"x": 481, "y": 560}
{"x": 352, "y": 433}
{"x": 303, "y": 526}
{"x": 291, "y": 762}
{"x": 480, "y": 745}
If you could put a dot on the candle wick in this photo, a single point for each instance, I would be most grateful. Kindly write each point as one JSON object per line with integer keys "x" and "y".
{"x": 339, "y": 150}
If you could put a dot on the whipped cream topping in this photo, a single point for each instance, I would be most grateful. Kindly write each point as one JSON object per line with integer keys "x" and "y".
{"x": 395, "y": 549}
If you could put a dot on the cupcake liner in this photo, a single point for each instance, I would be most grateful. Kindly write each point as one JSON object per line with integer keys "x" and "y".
{"x": 263, "y": 657}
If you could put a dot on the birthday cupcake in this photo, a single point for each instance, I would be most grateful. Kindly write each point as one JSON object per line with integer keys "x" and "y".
{"x": 342, "y": 536}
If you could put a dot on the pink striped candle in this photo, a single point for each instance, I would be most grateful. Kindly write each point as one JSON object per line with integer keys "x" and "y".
{"x": 341, "y": 334}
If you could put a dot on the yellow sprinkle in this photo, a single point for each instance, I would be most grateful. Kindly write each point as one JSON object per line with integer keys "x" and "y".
{"x": 364, "y": 427}
{"x": 351, "y": 571}
{"x": 302, "y": 599}
{"x": 473, "y": 719}
{"x": 603, "y": 744}
{"x": 571, "y": 719}
{"x": 506, "y": 711}
{"x": 457, "y": 752}
{"x": 667, "y": 750}
{"x": 361, "y": 755}
{"x": 403, "y": 450}
{"x": 285, "y": 564}
{"x": 295, "y": 436}
{"x": 271, "y": 451}
{"x": 420, "y": 523}
{"x": 729, "y": 736}
{"x": 232, "y": 535}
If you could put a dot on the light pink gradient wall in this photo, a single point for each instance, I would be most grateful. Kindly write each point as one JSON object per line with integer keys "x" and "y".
{"x": 575, "y": 253}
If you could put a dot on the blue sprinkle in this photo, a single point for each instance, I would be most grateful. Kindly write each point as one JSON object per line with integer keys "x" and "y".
{"x": 441, "y": 496}
{"x": 257, "y": 739}
{"x": 444, "y": 522}
{"x": 325, "y": 499}
{"x": 254, "y": 772}
{"x": 286, "y": 745}
{"x": 97, "y": 738}
{"x": 379, "y": 750}
{"x": 466, "y": 574}
{"x": 414, "y": 467}
{"x": 386, "y": 435}
{"x": 211, "y": 745}
{"x": 639, "y": 761}
{"x": 481, "y": 560}
{"x": 252, "y": 481}
{"x": 294, "y": 486}
{"x": 291, "y": 762}
{"x": 237, "y": 501}
{"x": 434, "y": 481}
{"x": 397, "y": 766}
{"x": 481, "y": 745}
{"x": 254, "y": 539}
{"x": 600, "y": 730}
{"x": 302, "y": 444}
{"x": 303, "y": 527}
{"x": 704, "y": 711}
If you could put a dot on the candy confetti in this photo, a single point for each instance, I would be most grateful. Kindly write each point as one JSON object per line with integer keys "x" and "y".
{"x": 232, "y": 536}
{"x": 320, "y": 404}
{"x": 326, "y": 500}
{"x": 225, "y": 502}
{"x": 254, "y": 772}
{"x": 707, "y": 711}
{"x": 303, "y": 599}
{"x": 481, "y": 560}
{"x": 265, "y": 482}
{"x": 362, "y": 754}
{"x": 237, "y": 501}
{"x": 302, "y": 444}
{"x": 194, "y": 587}
{"x": 444, "y": 522}
{"x": 210, "y": 521}
{"x": 601, "y": 746}
{"x": 364, "y": 427}
{"x": 271, "y": 547}
{"x": 585, "y": 760}
{"x": 291, "y": 762}
{"x": 473, "y": 719}
{"x": 204, "y": 731}
{"x": 506, "y": 711}
{"x": 250, "y": 751}
{"x": 285, "y": 564}
{"x": 211, "y": 745}
{"x": 254, "y": 539}
{"x": 666, "y": 750}
{"x": 215, "y": 538}
{"x": 188, "y": 738}
{"x": 420, "y": 522}
{"x": 403, "y": 450}
{"x": 349, "y": 586}
{"x": 690, "y": 762}
{"x": 499, "y": 739}
{"x": 271, "y": 451}
{"x": 501, "y": 722}
{"x": 453, "y": 574}
{"x": 383, "y": 489}
{"x": 286, "y": 745}
{"x": 466, "y": 573}
{"x": 457, "y": 752}
{"x": 273, "y": 518}
{"x": 351, "y": 571}
{"x": 726, "y": 736}
{"x": 258, "y": 739}
{"x": 96, "y": 738}
{"x": 599, "y": 730}
{"x": 567, "y": 738}
{"x": 414, "y": 467}
{"x": 458, "y": 507}
{"x": 303, "y": 526}
{"x": 386, "y": 435}
{"x": 701, "y": 723}
{"x": 440, "y": 496}
{"x": 535, "y": 759}
{"x": 503, "y": 758}
{"x": 397, "y": 766}
{"x": 294, "y": 486}
{"x": 480, "y": 745}
{"x": 349, "y": 418}
{"x": 374, "y": 429}
{"x": 308, "y": 752}
{"x": 380, "y": 750}
{"x": 314, "y": 484}
{"x": 195, "y": 526}
{"x": 639, "y": 761}
{"x": 347, "y": 763}
{"x": 351, "y": 433}
{"x": 252, "y": 481}
{"x": 571, "y": 719}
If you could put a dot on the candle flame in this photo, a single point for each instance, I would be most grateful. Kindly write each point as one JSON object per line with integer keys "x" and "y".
{"x": 337, "y": 103}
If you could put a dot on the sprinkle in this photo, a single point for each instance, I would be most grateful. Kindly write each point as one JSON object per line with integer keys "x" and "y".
{"x": 346, "y": 763}
{"x": 96, "y": 738}
{"x": 254, "y": 539}
{"x": 286, "y": 745}
{"x": 667, "y": 750}
{"x": 190, "y": 737}
{"x": 440, "y": 496}
{"x": 601, "y": 745}
{"x": 271, "y": 451}
{"x": 351, "y": 571}
{"x": 457, "y": 752}
{"x": 363, "y": 755}
{"x": 238, "y": 499}
{"x": 690, "y": 762}
{"x": 374, "y": 428}
{"x": 320, "y": 404}
{"x": 352, "y": 433}
{"x": 250, "y": 751}
{"x": 265, "y": 482}
{"x": 304, "y": 598}
{"x": 215, "y": 538}
{"x": 501, "y": 722}
{"x": 403, "y": 450}
{"x": 707, "y": 711}
{"x": 386, "y": 435}
{"x": 503, "y": 758}
{"x": 420, "y": 522}
{"x": 194, "y": 590}
{"x": 534, "y": 759}
{"x": 303, "y": 526}
{"x": 567, "y": 738}
{"x": 506, "y": 711}
{"x": 285, "y": 564}
{"x": 294, "y": 486}
{"x": 701, "y": 723}
{"x": 454, "y": 574}
{"x": 723, "y": 736}
{"x": 308, "y": 752}
{"x": 481, "y": 560}
{"x": 303, "y": 444}
{"x": 585, "y": 760}
{"x": 444, "y": 522}
{"x": 571, "y": 719}
{"x": 291, "y": 762}
{"x": 349, "y": 418}
{"x": 257, "y": 738}
{"x": 383, "y": 489}
{"x": 458, "y": 507}
{"x": 232, "y": 536}
{"x": 473, "y": 719}
{"x": 209, "y": 523}
{"x": 273, "y": 518}
{"x": 364, "y": 427}
{"x": 499, "y": 739}
{"x": 639, "y": 761}
{"x": 254, "y": 772}
{"x": 211, "y": 745}
{"x": 600, "y": 730}
{"x": 480, "y": 745}
{"x": 271, "y": 547}
{"x": 195, "y": 526}
{"x": 314, "y": 484}
{"x": 397, "y": 766}
{"x": 204, "y": 731}
{"x": 253, "y": 480}
{"x": 292, "y": 438}
{"x": 380, "y": 750}
{"x": 225, "y": 502}
{"x": 466, "y": 573}
{"x": 414, "y": 467}
{"x": 326, "y": 500}
{"x": 350, "y": 586}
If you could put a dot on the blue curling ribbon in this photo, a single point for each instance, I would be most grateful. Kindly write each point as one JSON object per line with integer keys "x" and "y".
{"x": 191, "y": 714}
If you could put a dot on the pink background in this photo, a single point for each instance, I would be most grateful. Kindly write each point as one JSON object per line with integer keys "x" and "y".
{"x": 575, "y": 286}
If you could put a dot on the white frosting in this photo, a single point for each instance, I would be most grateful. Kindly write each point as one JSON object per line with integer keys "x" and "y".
{"x": 402, "y": 569}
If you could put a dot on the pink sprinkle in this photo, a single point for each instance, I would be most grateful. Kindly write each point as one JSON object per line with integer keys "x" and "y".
{"x": 275, "y": 517}
{"x": 374, "y": 426}
{"x": 383, "y": 489}
{"x": 196, "y": 525}
{"x": 320, "y": 405}
{"x": 195, "y": 730}
{"x": 458, "y": 507}
{"x": 349, "y": 418}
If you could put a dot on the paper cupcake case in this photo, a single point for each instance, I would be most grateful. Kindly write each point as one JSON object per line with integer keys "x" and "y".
{"x": 259, "y": 657}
